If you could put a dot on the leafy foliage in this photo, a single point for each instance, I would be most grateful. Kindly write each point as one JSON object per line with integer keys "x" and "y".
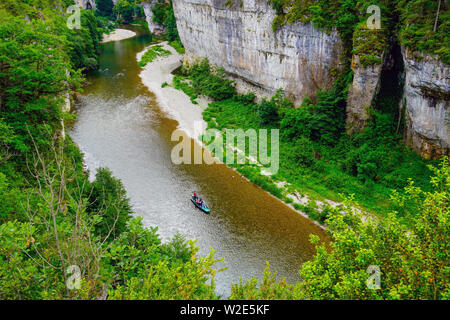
{"x": 414, "y": 20}
{"x": 124, "y": 11}
{"x": 152, "y": 53}
{"x": 158, "y": 271}
{"x": 85, "y": 42}
{"x": 107, "y": 199}
{"x": 418, "y": 19}
{"x": 178, "y": 46}
{"x": 163, "y": 15}
{"x": 208, "y": 81}
{"x": 413, "y": 262}
{"x": 34, "y": 73}
{"x": 51, "y": 215}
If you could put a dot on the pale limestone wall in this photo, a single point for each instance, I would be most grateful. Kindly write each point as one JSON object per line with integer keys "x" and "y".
{"x": 298, "y": 58}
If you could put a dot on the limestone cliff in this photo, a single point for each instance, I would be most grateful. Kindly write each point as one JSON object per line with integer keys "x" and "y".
{"x": 86, "y": 4}
{"x": 154, "y": 27}
{"x": 238, "y": 36}
{"x": 427, "y": 104}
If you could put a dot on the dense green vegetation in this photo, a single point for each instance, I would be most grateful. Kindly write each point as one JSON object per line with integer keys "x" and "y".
{"x": 178, "y": 46}
{"x": 152, "y": 53}
{"x": 413, "y": 262}
{"x": 124, "y": 11}
{"x": 419, "y": 23}
{"x": 104, "y": 8}
{"x": 53, "y": 218}
{"x": 317, "y": 156}
{"x": 163, "y": 14}
{"x": 54, "y": 222}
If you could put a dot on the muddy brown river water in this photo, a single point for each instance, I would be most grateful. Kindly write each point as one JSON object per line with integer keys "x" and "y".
{"x": 121, "y": 126}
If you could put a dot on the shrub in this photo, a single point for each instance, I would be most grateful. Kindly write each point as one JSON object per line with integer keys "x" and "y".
{"x": 178, "y": 46}
{"x": 152, "y": 53}
{"x": 301, "y": 152}
{"x": 210, "y": 82}
{"x": 268, "y": 113}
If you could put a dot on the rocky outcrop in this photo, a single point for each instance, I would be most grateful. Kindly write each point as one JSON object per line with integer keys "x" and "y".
{"x": 237, "y": 35}
{"x": 154, "y": 27}
{"x": 427, "y": 104}
{"x": 362, "y": 92}
{"x": 86, "y": 4}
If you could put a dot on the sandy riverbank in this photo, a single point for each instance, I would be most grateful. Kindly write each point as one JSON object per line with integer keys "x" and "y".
{"x": 174, "y": 102}
{"x": 117, "y": 35}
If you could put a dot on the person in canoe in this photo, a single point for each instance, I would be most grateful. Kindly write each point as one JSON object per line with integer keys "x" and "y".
{"x": 200, "y": 203}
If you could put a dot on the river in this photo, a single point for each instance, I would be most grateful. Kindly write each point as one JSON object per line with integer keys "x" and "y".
{"x": 120, "y": 126}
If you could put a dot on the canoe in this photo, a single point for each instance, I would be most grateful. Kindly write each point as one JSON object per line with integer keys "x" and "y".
{"x": 204, "y": 208}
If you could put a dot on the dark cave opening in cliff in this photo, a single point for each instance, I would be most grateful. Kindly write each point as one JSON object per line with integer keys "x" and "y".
{"x": 388, "y": 101}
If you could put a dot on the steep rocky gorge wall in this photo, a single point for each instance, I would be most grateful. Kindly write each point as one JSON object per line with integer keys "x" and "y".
{"x": 426, "y": 103}
{"x": 237, "y": 35}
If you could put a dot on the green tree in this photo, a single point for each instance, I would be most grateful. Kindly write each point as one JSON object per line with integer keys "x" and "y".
{"x": 171, "y": 24}
{"x": 144, "y": 269}
{"x": 124, "y": 11}
{"x": 85, "y": 42}
{"x": 268, "y": 113}
{"x": 34, "y": 74}
{"x": 104, "y": 8}
{"x": 108, "y": 200}
{"x": 413, "y": 261}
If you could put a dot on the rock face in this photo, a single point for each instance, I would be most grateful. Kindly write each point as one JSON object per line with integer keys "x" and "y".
{"x": 86, "y": 4}
{"x": 154, "y": 27}
{"x": 365, "y": 86}
{"x": 427, "y": 104}
{"x": 237, "y": 35}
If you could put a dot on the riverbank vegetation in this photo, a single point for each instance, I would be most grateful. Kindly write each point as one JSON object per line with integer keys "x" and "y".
{"x": 412, "y": 262}
{"x": 121, "y": 12}
{"x": 317, "y": 157}
{"x": 164, "y": 16}
{"x": 56, "y": 226}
